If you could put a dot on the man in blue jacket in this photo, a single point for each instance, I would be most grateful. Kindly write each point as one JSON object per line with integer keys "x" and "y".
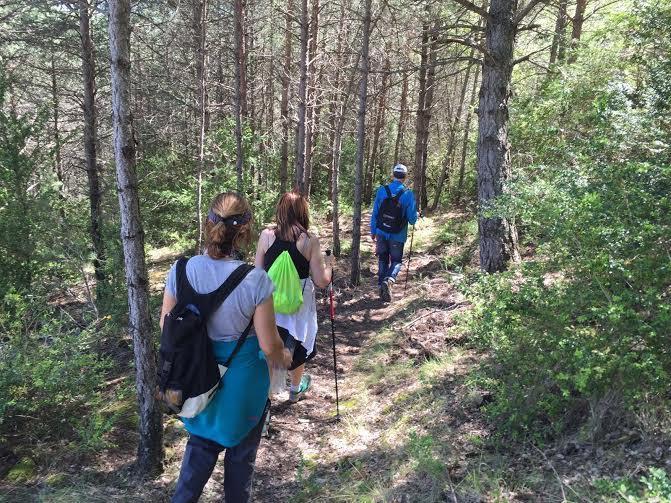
{"x": 393, "y": 210}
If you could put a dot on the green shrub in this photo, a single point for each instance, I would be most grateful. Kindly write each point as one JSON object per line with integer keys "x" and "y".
{"x": 584, "y": 325}
{"x": 51, "y": 377}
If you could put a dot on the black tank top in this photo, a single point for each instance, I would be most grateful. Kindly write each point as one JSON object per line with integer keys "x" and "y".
{"x": 300, "y": 262}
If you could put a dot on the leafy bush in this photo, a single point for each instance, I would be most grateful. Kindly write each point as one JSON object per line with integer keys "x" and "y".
{"x": 51, "y": 378}
{"x": 585, "y": 324}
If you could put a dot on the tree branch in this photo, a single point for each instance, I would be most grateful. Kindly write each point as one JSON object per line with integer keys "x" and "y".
{"x": 528, "y": 56}
{"x": 522, "y": 12}
{"x": 473, "y": 8}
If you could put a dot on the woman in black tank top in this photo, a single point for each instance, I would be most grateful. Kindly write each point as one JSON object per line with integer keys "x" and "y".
{"x": 291, "y": 234}
{"x": 300, "y": 262}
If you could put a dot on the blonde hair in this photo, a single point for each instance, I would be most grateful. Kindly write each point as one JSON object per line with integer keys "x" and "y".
{"x": 223, "y": 235}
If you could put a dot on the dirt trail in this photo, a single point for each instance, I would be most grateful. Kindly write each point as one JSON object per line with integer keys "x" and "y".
{"x": 308, "y": 429}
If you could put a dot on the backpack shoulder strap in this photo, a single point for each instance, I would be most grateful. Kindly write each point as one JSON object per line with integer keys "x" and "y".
{"x": 240, "y": 342}
{"x": 399, "y": 194}
{"x": 388, "y": 191}
{"x": 214, "y": 299}
{"x": 184, "y": 289}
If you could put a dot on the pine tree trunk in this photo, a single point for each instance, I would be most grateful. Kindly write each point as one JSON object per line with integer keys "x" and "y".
{"x": 58, "y": 161}
{"x": 419, "y": 120}
{"x": 401, "y": 119}
{"x": 311, "y": 95}
{"x": 240, "y": 97}
{"x": 451, "y": 144}
{"x": 374, "y": 163}
{"x": 302, "y": 99}
{"x": 576, "y": 32}
{"x": 498, "y": 236}
{"x": 467, "y": 130}
{"x": 150, "y": 448}
{"x": 284, "y": 106}
{"x": 361, "y": 132}
{"x": 558, "y": 48}
{"x": 91, "y": 141}
{"x": 336, "y": 122}
{"x": 199, "y": 39}
{"x": 427, "y": 114}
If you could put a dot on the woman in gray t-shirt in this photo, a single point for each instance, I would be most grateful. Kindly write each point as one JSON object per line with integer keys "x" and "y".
{"x": 234, "y": 419}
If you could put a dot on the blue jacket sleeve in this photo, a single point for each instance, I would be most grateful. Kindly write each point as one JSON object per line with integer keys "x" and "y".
{"x": 410, "y": 207}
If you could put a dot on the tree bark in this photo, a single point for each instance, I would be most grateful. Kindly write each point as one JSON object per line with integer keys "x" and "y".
{"x": 240, "y": 97}
{"x": 377, "y": 132}
{"x": 427, "y": 76}
{"x": 58, "y": 161}
{"x": 576, "y": 32}
{"x": 498, "y": 235}
{"x": 558, "y": 48}
{"x": 284, "y": 106}
{"x": 91, "y": 141}
{"x": 361, "y": 139}
{"x": 200, "y": 50}
{"x": 311, "y": 95}
{"x": 302, "y": 98}
{"x": 401, "y": 119}
{"x": 419, "y": 120}
{"x": 150, "y": 448}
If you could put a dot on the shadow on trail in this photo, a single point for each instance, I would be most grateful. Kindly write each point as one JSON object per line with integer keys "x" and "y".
{"x": 433, "y": 456}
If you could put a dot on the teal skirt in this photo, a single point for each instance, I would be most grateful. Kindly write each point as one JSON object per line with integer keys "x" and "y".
{"x": 239, "y": 403}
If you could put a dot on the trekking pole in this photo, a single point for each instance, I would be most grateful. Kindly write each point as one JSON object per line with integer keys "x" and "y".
{"x": 407, "y": 271}
{"x": 332, "y": 316}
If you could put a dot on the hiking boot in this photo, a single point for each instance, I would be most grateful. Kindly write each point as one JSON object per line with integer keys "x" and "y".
{"x": 295, "y": 396}
{"x": 385, "y": 290}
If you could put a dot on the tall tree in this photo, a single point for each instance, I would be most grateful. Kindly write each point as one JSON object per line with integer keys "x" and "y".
{"x": 401, "y": 118}
{"x": 467, "y": 132}
{"x": 302, "y": 99}
{"x": 311, "y": 127}
{"x": 240, "y": 95}
{"x": 558, "y": 48}
{"x": 451, "y": 142}
{"x": 284, "y": 105}
{"x": 498, "y": 234}
{"x": 199, "y": 20}
{"x": 576, "y": 31}
{"x": 377, "y": 132}
{"x": 361, "y": 143}
{"x": 91, "y": 140}
{"x": 427, "y": 74}
{"x": 150, "y": 448}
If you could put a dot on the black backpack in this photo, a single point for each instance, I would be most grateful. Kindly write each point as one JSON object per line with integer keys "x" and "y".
{"x": 390, "y": 216}
{"x": 189, "y": 375}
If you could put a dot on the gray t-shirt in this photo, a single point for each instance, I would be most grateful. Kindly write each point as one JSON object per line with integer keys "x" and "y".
{"x": 206, "y": 274}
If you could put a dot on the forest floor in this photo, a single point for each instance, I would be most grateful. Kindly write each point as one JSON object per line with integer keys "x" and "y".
{"x": 411, "y": 426}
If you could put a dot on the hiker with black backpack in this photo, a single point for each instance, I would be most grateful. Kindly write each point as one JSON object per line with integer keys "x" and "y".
{"x": 218, "y": 311}
{"x": 394, "y": 208}
{"x": 295, "y": 263}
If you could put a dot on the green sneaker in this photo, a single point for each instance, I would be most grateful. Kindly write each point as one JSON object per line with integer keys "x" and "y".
{"x": 295, "y": 396}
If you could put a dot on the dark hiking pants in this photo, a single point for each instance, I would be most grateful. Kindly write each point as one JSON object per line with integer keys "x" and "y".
{"x": 201, "y": 456}
{"x": 390, "y": 258}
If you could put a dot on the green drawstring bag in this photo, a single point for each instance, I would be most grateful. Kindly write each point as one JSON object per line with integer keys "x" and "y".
{"x": 288, "y": 296}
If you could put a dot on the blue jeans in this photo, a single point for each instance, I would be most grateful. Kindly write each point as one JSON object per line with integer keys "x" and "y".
{"x": 200, "y": 457}
{"x": 390, "y": 258}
